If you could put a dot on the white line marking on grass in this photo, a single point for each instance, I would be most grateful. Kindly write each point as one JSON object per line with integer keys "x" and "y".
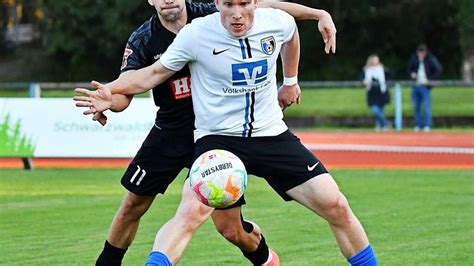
{"x": 383, "y": 148}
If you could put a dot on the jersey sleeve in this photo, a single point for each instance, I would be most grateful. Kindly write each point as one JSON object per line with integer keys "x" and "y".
{"x": 134, "y": 55}
{"x": 182, "y": 50}
{"x": 201, "y": 9}
{"x": 288, "y": 24}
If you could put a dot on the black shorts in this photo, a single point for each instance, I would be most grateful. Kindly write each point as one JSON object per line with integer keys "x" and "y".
{"x": 283, "y": 161}
{"x": 163, "y": 154}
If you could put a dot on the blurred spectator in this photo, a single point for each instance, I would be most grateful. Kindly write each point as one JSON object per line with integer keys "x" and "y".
{"x": 374, "y": 79}
{"x": 424, "y": 68}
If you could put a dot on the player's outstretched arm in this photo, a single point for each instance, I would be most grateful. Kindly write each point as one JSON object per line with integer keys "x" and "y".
{"x": 290, "y": 91}
{"x": 141, "y": 80}
{"x": 325, "y": 25}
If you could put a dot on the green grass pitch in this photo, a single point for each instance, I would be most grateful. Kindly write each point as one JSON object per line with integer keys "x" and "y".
{"x": 413, "y": 217}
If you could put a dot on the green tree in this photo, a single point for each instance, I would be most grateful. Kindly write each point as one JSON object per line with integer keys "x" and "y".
{"x": 466, "y": 27}
{"x": 87, "y": 37}
{"x": 392, "y": 29}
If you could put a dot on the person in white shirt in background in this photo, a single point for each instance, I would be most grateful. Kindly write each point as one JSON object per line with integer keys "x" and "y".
{"x": 377, "y": 91}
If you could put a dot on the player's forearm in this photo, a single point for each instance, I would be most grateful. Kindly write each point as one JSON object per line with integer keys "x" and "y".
{"x": 134, "y": 83}
{"x": 141, "y": 80}
{"x": 290, "y": 56}
{"x": 298, "y": 11}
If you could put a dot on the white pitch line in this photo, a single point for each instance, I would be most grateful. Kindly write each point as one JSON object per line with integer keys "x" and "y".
{"x": 382, "y": 148}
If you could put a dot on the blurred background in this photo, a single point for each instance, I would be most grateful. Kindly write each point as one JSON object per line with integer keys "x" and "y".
{"x": 47, "y": 47}
{"x": 50, "y": 40}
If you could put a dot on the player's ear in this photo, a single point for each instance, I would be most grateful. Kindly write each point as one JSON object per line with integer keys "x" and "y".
{"x": 151, "y": 2}
{"x": 216, "y": 3}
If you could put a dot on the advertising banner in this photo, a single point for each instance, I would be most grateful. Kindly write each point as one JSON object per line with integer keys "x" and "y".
{"x": 54, "y": 127}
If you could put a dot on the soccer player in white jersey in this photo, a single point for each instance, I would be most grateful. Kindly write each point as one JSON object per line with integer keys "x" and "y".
{"x": 232, "y": 58}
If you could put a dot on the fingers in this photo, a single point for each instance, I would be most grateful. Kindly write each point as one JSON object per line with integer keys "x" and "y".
{"x": 327, "y": 44}
{"x": 332, "y": 41}
{"x": 328, "y": 32}
{"x": 96, "y": 116}
{"x": 329, "y": 41}
{"x": 83, "y": 104}
{"x": 89, "y": 111}
{"x": 100, "y": 117}
{"x": 103, "y": 120}
{"x": 82, "y": 91}
{"x": 81, "y": 99}
{"x": 97, "y": 84}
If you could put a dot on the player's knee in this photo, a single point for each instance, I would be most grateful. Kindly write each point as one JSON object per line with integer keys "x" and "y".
{"x": 337, "y": 210}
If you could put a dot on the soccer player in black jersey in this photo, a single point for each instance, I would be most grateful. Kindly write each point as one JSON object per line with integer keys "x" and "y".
{"x": 169, "y": 146}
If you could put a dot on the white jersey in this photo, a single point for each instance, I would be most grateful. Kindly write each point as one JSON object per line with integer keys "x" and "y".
{"x": 233, "y": 79}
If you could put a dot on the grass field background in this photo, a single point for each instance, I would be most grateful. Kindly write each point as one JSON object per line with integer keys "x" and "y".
{"x": 413, "y": 217}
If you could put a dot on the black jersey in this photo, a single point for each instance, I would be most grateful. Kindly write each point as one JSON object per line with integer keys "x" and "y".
{"x": 173, "y": 96}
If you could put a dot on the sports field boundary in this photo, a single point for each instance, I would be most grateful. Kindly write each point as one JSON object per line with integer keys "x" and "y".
{"x": 364, "y": 150}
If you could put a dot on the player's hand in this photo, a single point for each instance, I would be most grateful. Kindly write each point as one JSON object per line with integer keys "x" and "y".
{"x": 100, "y": 117}
{"x": 287, "y": 95}
{"x": 328, "y": 31}
{"x": 98, "y": 100}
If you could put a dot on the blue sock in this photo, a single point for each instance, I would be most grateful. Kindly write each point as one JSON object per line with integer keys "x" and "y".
{"x": 366, "y": 257}
{"x": 157, "y": 258}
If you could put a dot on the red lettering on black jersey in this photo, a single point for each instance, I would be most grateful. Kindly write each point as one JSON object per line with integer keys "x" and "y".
{"x": 126, "y": 54}
{"x": 181, "y": 87}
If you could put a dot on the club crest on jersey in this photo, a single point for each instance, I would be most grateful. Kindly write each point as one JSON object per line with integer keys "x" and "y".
{"x": 249, "y": 74}
{"x": 126, "y": 54}
{"x": 268, "y": 45}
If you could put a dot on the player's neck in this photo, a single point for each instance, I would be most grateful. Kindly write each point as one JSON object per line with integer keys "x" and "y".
{"x": 176, "y": 25}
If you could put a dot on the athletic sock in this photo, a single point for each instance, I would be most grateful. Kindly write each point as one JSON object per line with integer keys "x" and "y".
{"x": 366, "y": 257}
{"x": 157, "y": 258}
{"x": 260, "y": 255}
{"x": 110, "y": 255}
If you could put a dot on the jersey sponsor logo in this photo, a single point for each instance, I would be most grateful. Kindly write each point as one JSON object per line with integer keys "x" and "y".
{"x": 268, "y": 45}
{"x": 214, "y": 52}
{"x": 249, "y": 74}
{"x": 181, "y": 87}
{"x": 126, "y": 54}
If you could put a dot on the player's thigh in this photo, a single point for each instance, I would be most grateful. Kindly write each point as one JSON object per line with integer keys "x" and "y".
{"x": 320, "y": 194}
{"x": 284, "y": 162}
{"x": 190, "y": 207}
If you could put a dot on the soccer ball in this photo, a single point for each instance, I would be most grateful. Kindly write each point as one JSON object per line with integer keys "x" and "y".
{"x": 218, "y": 178}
